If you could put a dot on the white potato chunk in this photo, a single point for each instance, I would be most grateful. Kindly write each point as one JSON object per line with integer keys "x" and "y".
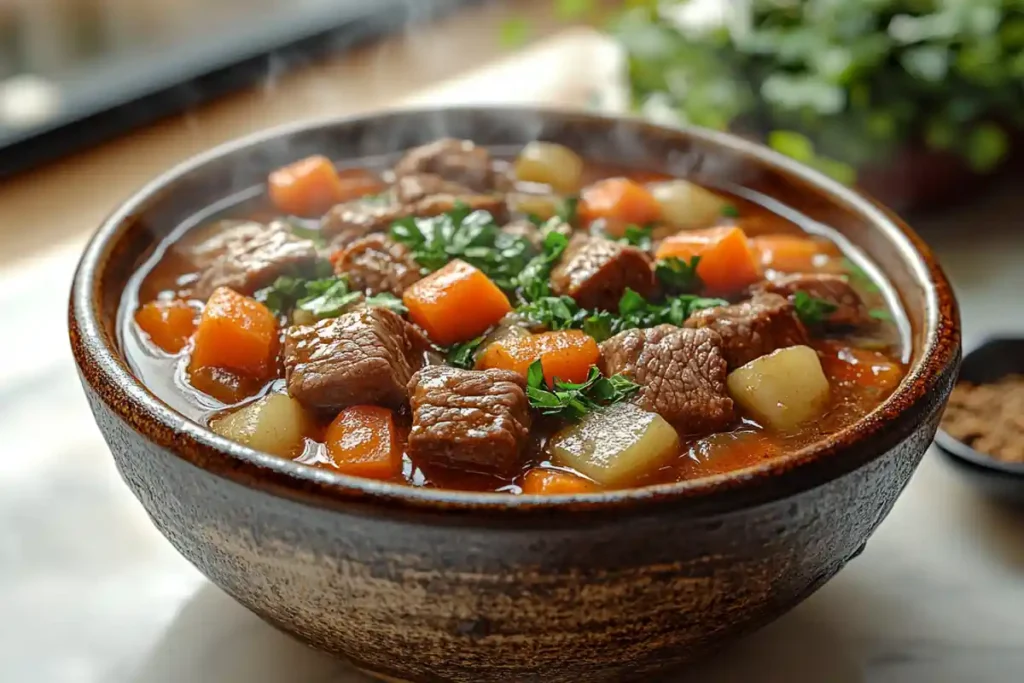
{"x": 274, "y": 424}
{"x": 550, "y": 164}
{"x": 543, "y": 206}
{"x": 783, "y": 389}
{"x": 616, "y": 445}
{"x": 687, "y": 206}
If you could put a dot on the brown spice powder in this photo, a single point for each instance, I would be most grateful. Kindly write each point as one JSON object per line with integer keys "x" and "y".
{"x": 989, "y": 417}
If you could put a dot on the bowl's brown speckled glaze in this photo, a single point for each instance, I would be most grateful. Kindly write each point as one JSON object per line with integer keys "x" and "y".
{"x": 425, "y": 585}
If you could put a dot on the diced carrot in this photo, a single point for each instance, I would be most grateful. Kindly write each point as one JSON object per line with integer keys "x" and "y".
{"x": 236, "y": 333}
{"x": 621, "y": 202}
{"x": 455, "y": 303}
{"x": 548, "y": 482}
{"x": 792, "y": 253}
{"x": 863, "y": 367}
{"x": 726, "y": 265}
{"x": 362, "y": 441}
{"x": 567, "y": 355}
{"x": 311, "y": 186}
{"x": 168, "y": 323}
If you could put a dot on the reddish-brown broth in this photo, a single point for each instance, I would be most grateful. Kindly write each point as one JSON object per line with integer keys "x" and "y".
{"x": 168, "y": 274}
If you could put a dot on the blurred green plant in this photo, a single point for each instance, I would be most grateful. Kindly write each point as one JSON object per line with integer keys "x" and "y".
{"x": 836, "y": 84}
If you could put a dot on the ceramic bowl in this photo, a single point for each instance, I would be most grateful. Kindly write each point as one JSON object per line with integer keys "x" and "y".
{"x": 427, "y": 585}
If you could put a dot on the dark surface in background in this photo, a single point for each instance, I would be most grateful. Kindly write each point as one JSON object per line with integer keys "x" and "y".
{"x": 106, "y": 89}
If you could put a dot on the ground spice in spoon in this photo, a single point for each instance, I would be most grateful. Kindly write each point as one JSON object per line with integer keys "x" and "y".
{"x": 989, "y": 417}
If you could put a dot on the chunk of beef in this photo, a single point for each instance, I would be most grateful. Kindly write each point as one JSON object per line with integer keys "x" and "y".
{"x": 250, "y": 256}
{"x": 431, "y": 195}
{"x": 753, "y": 328}
{"x": 377, "y": 263}
{"x": 681, "y": 373}
{"x": 459, "y": 161}
{"x": 365, "y": 356}
{"x": 596, "y": 272}
{"x": 835, "y": 289}
{"x": 477, "y": 420}
{"x": 345, "y": 223}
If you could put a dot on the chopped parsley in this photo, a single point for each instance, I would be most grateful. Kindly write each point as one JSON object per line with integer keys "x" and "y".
{"x": 305, "y": 232}
{"x": 461, "y": 355}
{"x": 533, "y": 280}
{"x": 387, "y": 300}
{"x": 321, "y": 298}
{"x": 638, "y": 236}
{"x": 571, "y": 401}
{"x": 331, "y": 301}
{"x": 563, "y": 313}
{"x": 812, "y": 310}
{"x": 636, "y": 312}
{"x": 677, "y": 275}
{"x": 568, "y": 210}
{"x": 880, "y": 314}
{"x": 472, "y": 236}
{"x": 859, "y": 276}
{"x": 730, "y": 211}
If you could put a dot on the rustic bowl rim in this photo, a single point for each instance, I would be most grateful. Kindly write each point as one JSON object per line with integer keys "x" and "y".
{"x": 104, "y": 370}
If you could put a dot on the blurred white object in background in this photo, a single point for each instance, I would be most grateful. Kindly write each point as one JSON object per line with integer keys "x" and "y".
{"x": 27, "y": 100}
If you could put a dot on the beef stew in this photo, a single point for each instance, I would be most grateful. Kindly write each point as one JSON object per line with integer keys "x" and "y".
{"x": 537, "y": 324}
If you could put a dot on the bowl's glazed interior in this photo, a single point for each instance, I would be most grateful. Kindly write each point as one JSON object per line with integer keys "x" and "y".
{"x": 433, "y": 585}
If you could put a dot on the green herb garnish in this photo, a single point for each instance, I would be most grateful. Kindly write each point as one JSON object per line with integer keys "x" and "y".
{"x": 568, "y": 210}
{"x": 533, "y": 280}
{"x": 280, "y": 297}
{"x": 571, "y": 401}
{"x": 812, "y": 310}
{"x": 730, "y": 211}
{"x": 472, "y": 236}
{"x": 638, "y": 236}
{"x": 550, "y": 312}
{"x": 387, "y": 300}
{"x": 312, "y": 234}
{"x": 321, "y": 298}
{"x": 859, "y": 276}
{"x": 461, "y": 355}
{"x": 880, "y": 314}
{"x": 677, "y": 275}
{"x": 329, "y": 302}
{"x": 563, "y": 313}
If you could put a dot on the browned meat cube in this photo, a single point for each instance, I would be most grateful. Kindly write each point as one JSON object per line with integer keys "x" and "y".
{"x": 345, "y": 223}
{"x": 250, "y": 256}
{"x": 459, "y": 161}
{"x": 753, "y": 328}
{"x": 477, "y": 420}
{"x": 376, "y": 264}
{"x": 835, "y": 289}
{"x": 596, "y": 272}
{"x": 363, "y": 357}
{"x": 431, "y": 195}
{"x": 681, "y": 373}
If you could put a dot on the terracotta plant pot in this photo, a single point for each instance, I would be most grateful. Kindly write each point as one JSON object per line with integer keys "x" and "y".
{"x": 428, "y": 585}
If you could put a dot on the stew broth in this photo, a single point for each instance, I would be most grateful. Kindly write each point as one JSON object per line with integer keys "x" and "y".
{"x": 861, "y": 357}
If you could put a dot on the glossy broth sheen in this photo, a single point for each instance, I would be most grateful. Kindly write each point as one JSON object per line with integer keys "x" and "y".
{"x": 863, "y": 366}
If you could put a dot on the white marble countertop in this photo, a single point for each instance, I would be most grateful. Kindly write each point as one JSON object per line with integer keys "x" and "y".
{"x": 91, "y": 593}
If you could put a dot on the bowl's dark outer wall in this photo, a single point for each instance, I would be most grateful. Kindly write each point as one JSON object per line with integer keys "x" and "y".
{"x": 438, "y": 586}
